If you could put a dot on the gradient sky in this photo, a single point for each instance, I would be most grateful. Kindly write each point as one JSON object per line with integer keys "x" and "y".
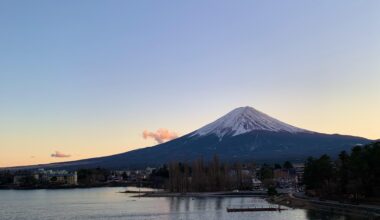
{"x": 86, "y": 78}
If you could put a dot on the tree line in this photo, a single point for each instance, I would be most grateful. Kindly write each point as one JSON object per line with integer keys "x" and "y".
{"x": 200, "y": 176}
{"x": 353, "y": 176}
{"x": 213, "y": 176}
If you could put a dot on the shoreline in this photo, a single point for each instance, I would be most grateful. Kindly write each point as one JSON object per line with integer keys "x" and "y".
{"x": 204, "y": 194}
{"x": 363, "y": 210}
{"x": 371, "y": 212}
{"x": 53, "y": 187}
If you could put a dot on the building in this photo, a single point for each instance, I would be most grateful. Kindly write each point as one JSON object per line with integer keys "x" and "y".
{"x": 285, "y": 178}
{"x": 72, "y": 179}
{"x": 299, "y": 169}
{"x": 58, "y": 177}
{"x": 45, "y": 177}
{"x": 256, "y": 183}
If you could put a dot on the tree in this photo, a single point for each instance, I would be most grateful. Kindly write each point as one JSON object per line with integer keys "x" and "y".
{"x": 266, "y": 172}
{"x": 237, "y": 170}
{"x": 201, "y": 177}
{"x": 28, "y": 180}
{"x": 343, "y": 173}
{"x": 310, "y": 175}
{"x": 124, "y": 175}
{"x": 318, "y": 174}
{"x": 355, "y": 175}
{"x": 272, "y": 191}
{"x": 6, "y": 177}
{"x": 288, "y": 165}
{"x": 92, "y": 176}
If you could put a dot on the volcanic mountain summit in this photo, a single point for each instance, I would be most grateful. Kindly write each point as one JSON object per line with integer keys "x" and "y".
{"x": 244, "y": 134}
{"x": 243, "y": 120}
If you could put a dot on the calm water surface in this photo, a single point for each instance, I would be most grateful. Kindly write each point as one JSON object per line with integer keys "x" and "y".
{"x": 107, "y": 203}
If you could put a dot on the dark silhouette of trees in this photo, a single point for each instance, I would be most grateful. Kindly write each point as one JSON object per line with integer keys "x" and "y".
{"x": 343, "y": 172}
{"x": 92, "y": 176}
{"x": 158, "y": 177}
{"x": 318, "y": 174}
{"x": 6, "y": 177}
{"x": 267, "y": 175}
{"x": 353, "y": 176}
{"x": 28, "y": 181}
{"x": 206, "y": 177}
{"x": 272, "y": 191}
{"x": 124, "y": 175}
{"x": 288, "y": 165}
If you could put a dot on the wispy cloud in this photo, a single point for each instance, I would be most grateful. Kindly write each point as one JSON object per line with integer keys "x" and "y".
{"x": 161, "y": 135}
{"x": 60, "y": 154}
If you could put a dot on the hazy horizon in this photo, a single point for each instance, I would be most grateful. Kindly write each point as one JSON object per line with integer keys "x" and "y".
{"x": 93, "y": 78}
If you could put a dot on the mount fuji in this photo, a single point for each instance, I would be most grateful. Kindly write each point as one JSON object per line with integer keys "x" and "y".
{"x": 244, "y": 134}
{"x": 243, "y": 120}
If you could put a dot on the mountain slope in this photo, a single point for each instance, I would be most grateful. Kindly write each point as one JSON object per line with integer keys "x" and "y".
{"x": 244, "y": 134}
{"x": 245, "y": 119}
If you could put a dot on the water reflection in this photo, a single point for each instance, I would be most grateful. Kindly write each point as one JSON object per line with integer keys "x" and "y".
{"x": 107, "y": 203}
{"x": 312, "y": 214}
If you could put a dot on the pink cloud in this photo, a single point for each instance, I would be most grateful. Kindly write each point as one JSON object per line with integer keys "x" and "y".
{"x": 161, "y": 135}
{"x": 59, "y": 154}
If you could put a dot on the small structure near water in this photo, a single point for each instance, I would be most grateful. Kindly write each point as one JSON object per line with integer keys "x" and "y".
{"x": 255, "y": 209}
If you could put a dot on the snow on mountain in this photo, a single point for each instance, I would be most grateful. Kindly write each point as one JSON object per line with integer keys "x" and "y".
{"x": 245, "y": 119}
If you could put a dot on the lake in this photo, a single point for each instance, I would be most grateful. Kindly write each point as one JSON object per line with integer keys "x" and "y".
{"x": 107, "y": 203}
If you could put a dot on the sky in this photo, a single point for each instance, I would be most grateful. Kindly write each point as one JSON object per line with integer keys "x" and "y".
{"x": 81, "y": 79}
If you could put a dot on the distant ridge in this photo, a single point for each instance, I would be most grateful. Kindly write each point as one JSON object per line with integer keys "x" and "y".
{"x": 244, "y": 134}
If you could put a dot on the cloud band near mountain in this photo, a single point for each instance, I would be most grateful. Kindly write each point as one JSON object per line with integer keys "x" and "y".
{"x": 60, "y": 155}
{"x": 161, "y": 135}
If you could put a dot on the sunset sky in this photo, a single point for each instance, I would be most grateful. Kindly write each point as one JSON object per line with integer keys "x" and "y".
{"x": 80, "y": 79}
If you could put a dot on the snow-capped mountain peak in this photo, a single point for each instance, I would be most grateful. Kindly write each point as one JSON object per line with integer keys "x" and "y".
{"x": 245, "y": 119}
